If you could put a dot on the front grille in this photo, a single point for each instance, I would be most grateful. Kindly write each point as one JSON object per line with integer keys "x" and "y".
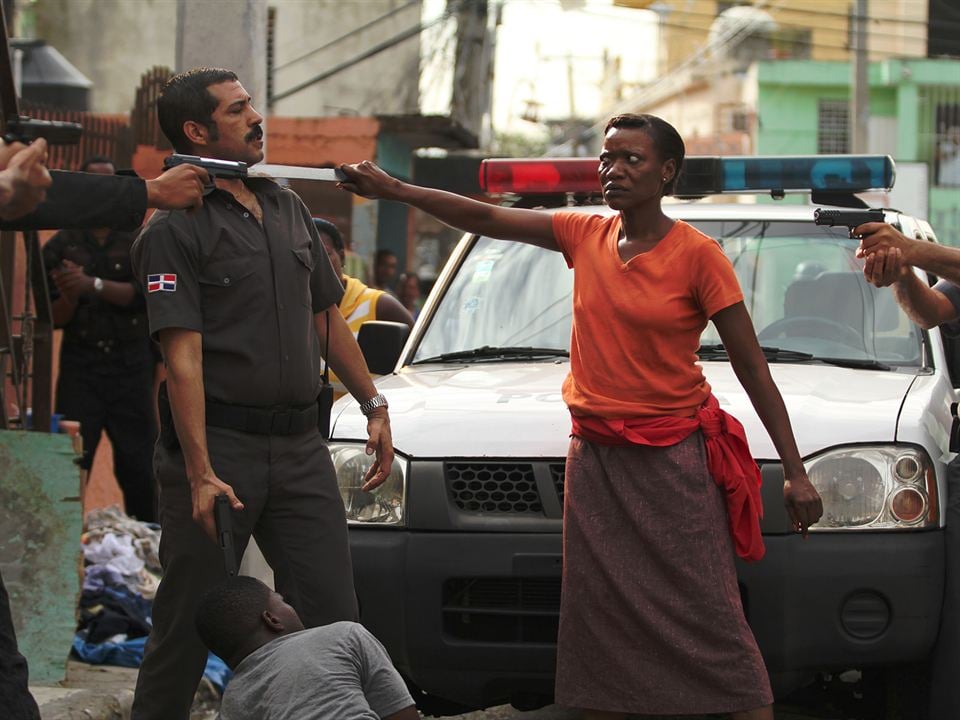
{"x": 511, "y": 610}
{"x": 558, "y": 475}
{"x": 493, "y": 487}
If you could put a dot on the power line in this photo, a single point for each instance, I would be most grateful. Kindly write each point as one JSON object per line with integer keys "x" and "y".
{"x": 799, "y": 25}
{"x": 827, "y": 13}
{"x": 348, "y": 35}
{"x": 792, "y": 41}
{"x": 367, "y": 54}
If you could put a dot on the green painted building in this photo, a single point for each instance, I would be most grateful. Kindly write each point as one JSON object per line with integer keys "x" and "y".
{"x": 802, "y": 107}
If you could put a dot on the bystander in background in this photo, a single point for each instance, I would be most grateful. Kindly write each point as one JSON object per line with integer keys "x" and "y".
{"x": 106, "y": 363}
{"x": 359, "y": 303}
{"x": 408, "y": 292}
{"x": 385, "y": 266}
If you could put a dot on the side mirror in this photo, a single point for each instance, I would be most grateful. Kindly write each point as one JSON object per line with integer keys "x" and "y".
{"x": 381, "y": 343}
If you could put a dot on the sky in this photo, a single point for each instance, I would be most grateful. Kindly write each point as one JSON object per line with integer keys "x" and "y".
{"x": 536, "y": 42}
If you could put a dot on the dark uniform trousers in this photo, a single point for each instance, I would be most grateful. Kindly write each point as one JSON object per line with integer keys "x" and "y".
{"x": 122, "y": 404}
{"x": 16, "y": 703}
{"x": 292, "y": 506}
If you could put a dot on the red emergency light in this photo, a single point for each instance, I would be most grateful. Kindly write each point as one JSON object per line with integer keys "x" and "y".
{"x": 540, "y": 176}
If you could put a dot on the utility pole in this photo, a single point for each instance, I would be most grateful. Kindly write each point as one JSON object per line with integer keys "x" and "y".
{"x": 208, "y": 34}
{"x": 860, "y": 98}
{"x": 470, "y": 72}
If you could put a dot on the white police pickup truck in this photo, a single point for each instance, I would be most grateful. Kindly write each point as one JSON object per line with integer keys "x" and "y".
{"x": 458, "y": 556}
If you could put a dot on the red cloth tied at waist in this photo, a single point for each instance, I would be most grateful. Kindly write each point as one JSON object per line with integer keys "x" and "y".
{"x": 728, "y": 458}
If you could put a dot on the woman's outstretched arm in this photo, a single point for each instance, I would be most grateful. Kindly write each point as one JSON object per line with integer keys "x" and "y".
{"x": 463, "y": 213}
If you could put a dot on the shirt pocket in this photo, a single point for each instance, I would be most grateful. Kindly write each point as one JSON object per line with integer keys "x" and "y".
{"x": 303, "y": 271}
{"x": 227, "y": 288}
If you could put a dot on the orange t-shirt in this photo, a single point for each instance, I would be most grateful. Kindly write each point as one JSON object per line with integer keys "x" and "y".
{"x": 637, "y": 325}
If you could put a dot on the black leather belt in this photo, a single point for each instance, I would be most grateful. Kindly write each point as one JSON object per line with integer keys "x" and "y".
{"x": 262, "y": 421}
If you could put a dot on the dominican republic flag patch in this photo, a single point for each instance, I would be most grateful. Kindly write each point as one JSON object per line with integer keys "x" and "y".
{"x": 162, "y": 282}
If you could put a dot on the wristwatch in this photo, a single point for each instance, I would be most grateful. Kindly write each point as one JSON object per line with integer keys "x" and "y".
{"x": 368, "y": 406}
{"x": 98, "y": 285}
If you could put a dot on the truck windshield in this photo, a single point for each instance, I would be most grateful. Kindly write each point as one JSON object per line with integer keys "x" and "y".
{"x": 802, "y": 285}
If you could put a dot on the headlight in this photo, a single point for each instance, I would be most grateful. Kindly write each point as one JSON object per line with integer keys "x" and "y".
{"x": 887, "y": 487}
{"x": 383, "y": 506}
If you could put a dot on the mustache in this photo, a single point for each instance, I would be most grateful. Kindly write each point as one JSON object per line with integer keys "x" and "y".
{"x": 255, "y": 134}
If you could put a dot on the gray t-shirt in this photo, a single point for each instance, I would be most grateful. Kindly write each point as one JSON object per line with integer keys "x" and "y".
{"x": 952, "y": 291}
{"x": 333, "y": 672}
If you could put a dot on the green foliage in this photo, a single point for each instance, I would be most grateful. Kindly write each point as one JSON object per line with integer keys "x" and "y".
{"x": 515, "y": 144}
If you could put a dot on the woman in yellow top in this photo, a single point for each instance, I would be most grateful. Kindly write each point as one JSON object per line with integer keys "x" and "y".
{"x": 360, "y": 303}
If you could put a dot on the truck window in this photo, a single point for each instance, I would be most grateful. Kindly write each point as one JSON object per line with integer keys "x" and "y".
{"x": 804, "y": 289}
{"x": 505, "y": 294}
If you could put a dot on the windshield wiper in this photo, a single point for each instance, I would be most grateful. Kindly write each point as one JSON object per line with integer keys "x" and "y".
{"x": 488, "y": 352}
{"x": 772, "y": 354}
{"x": 775, "y": 354}
{"x": 858, "y": 363}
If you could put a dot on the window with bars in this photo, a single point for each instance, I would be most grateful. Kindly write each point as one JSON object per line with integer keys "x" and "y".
{"x": 947, "y": 145}
{"x": 833, "y": 127}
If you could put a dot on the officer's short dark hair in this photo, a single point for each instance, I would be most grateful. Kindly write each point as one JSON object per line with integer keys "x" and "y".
{"x": 96, "y": 160}
{"x": 664, "y": 135}
{"x": 185, "y": 97}
{"x": 230, "y": 612}
{"x": 331, "y": 231}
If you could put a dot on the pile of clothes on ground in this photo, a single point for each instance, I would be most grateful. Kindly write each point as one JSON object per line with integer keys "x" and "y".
{"x": 121, "y": 574}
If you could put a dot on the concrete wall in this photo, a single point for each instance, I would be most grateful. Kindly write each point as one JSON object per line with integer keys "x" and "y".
{"x": 114, "y": 41}
{"x": 385, "y": 84}
{"x": 40, "y": 524}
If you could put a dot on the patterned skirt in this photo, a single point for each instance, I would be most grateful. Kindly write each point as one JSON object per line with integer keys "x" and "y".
{"x": 651, "y": 620}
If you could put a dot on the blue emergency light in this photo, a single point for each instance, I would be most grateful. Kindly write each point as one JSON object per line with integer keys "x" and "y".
{"x": 702, "y": 175}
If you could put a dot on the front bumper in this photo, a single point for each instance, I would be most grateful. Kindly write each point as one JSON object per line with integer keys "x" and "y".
{"x": 471, "y": 617}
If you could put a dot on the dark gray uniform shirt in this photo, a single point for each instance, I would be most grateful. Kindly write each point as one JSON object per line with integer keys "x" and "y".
{"x": 952, "y": 291}
{"x": 251, "y": 291}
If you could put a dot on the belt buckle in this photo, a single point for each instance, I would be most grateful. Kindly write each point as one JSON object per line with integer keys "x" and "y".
{"x": 280, "y": 422}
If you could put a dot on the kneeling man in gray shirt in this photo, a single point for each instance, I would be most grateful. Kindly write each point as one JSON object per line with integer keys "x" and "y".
{"x": 284, "y": 672}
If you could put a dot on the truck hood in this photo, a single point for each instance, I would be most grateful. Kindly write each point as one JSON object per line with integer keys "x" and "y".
{"x": 516, "y": 410}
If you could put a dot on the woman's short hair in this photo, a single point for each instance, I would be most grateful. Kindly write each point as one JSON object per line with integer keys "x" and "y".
{"x": 230, "y": 612}
{"x": 664, "y": 135}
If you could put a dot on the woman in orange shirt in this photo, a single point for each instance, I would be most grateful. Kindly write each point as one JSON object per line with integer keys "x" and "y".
{"x": 661, "y": 489}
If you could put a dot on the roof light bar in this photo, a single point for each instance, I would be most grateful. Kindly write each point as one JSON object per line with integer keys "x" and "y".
{"x": 702, "y": 175}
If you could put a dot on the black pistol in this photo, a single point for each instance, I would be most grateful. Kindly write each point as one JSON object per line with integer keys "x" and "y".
{"x": 214, "y": 167}
{"x": 224, "y": 519}
{"x": 56, "y": 132}
{"x": 848, "y": 218}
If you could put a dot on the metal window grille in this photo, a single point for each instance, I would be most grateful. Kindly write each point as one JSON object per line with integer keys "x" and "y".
{"x": 833, "y": 127}
{"x": 939, "y": 144}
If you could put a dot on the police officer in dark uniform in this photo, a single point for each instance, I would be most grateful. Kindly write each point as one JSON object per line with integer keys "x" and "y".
{"x": 72, "y": 200}
{"x": 241, "y": 296}
{"x": 106, "y": 363}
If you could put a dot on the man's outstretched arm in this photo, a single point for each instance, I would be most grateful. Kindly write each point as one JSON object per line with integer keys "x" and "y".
{"x": 926, "y": 306}
{"x": 91, "y": 200}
